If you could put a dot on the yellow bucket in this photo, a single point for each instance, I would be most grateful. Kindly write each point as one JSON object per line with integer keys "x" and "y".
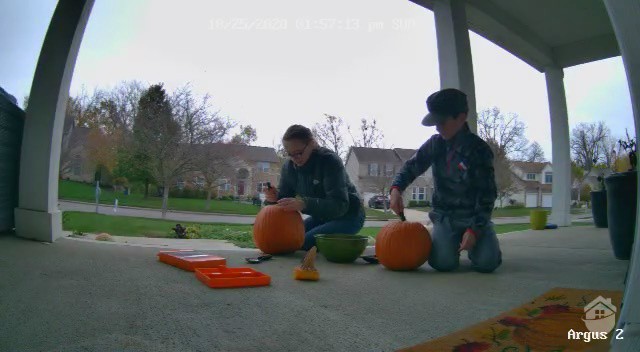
{"x": 538, "y": 219}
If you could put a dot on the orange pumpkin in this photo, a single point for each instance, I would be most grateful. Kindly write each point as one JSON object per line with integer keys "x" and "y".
{"x": 278, "y": 231}
{"x": 403, "y": 245}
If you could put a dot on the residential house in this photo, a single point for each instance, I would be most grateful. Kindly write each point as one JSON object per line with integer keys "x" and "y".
{"x": 74, "y": 161}
{"x": 246, "y": 173}
{"x": 533, "y": 181}
{"x": 372, "y": 171}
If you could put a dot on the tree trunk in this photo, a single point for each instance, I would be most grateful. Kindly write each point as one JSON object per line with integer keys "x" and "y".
{"x": 208, "y": 204}
{"x": 579, "y": 189}
{"x": 146, "y": 188}
{"x": 500, "y": 202}
{"x": 165, "y": 201}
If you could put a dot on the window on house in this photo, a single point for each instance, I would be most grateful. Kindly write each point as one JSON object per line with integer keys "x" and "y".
{"x": 199, "y": 182}
{"x": 224, "y": 185}
{"x": 548, "y": 177}
{"x": 263, "y": 166}
{"x": 388, "y": 169}
{"x": 180, "y": 184}
{"x": 600, "y": 314}
{"x": 76, "y": 166}
{"x": 418, "y": 193}
{"x": 373, "y": 169}
{"x": 261, "y": 186}
{"x": 531, "y": 177}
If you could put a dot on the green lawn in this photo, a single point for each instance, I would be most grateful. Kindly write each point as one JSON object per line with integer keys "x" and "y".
{"x": 240, "y": 235}
{"x": 373, "y": 214}
{"x": 70, "y": 190}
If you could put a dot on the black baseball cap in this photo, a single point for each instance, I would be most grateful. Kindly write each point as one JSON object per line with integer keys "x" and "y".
{"x": 445, "y": 103}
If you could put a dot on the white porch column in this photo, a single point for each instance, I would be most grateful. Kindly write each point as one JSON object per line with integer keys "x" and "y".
{"x": 624, "y": 16}
{"x": 37, "y": 216}
{"x": 454, "y": 51}
{"x": 561, "y": 187}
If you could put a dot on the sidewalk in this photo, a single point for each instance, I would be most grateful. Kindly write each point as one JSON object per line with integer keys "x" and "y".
{"x": 173, "y": 215}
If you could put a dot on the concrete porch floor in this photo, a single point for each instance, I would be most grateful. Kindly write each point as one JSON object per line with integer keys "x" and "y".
{"x": 81, "y": 296}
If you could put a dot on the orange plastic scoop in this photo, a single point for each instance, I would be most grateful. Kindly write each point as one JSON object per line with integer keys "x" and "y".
{"x": 190, "y": 260}
{"x": 223, "y": 277}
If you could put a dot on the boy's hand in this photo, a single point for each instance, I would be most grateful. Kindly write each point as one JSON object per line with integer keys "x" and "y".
{"x": 271, "y": 194}
{"x": 396, "y": 201}
{"x": 468, "y": 241}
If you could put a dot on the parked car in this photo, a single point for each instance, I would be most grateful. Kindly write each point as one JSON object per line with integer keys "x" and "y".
{"x": 379, "y": 202}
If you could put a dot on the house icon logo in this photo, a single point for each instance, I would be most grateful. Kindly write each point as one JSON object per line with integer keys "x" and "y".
{"x": 600, "y": 315}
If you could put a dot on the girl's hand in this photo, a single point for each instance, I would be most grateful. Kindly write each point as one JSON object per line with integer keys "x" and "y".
{"x": 296, "y": 204}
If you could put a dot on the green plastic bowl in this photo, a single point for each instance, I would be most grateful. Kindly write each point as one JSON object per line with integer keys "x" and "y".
{"x": 340, "y": 248}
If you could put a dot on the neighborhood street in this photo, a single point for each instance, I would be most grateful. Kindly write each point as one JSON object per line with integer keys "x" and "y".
{"x": 412, "y": 215}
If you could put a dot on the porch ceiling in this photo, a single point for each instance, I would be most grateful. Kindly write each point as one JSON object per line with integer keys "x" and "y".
{"x": 544, "y": 32}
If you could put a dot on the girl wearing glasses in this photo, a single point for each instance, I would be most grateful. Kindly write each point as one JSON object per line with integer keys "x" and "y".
{"x": 315, "y": 182}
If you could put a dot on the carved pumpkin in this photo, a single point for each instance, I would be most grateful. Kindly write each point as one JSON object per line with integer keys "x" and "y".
{"x": 278, "y": 231}
{"x": 403, "y": 245}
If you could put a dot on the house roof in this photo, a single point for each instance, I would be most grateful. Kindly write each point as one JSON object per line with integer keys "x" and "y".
{"x": 405, "y": 154}
{"x": 247, "y": 152}
{"x": 377, "y": 155}
{"x": 530, "y": 167}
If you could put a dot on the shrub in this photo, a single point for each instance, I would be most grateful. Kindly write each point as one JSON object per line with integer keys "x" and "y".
{"x": 193, "y": 232}
{"x": 515, "y": 205}
{"x": 418, "y": 203}
{"x": 78, "y": 233}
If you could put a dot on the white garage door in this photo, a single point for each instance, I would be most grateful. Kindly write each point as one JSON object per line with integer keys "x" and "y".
{"x": 546, "y": 200}
{"x": 532, "y": 200}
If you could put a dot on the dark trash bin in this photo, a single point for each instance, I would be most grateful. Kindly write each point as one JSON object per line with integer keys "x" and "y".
{"x": 621, "y": 211}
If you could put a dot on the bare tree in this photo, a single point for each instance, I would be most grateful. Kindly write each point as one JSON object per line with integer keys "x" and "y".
{"x": 610, "y": 150}
{"x": 505, "y": 185}
{"x": 199, "y": 123}
{"x": 534, "y": 153}
{"x": 369, "y": 136}
{"x": 212, "y": 163}
{"x": 382, "y": 184}
{"x": 126, "y": 96}
{"x": 329, "y": 134}
{"x": 506, "y": 131}
{"x": 587, "y": 144}
{"x": 246, "y": 136}
{"x": 577, "y": 177}
{"x": 159, "y": 139}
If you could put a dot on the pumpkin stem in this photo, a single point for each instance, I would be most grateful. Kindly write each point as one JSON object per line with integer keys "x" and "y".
{"x": 309, "y": 260}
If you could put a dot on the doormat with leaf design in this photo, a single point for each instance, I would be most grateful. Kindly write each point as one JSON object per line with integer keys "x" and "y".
{"x": 544, "y": 325}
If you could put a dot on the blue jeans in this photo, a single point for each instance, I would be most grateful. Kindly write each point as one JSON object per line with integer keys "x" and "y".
{"x": 447, "y": 234}
{"x": 312, "y": 227}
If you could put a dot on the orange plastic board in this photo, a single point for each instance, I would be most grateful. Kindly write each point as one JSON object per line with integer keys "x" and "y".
{"x": 190, "y": 260}
{"x": 223, "y": 277}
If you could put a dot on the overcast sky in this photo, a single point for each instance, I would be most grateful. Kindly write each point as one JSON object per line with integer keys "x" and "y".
{"x": 271, "y": 64}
